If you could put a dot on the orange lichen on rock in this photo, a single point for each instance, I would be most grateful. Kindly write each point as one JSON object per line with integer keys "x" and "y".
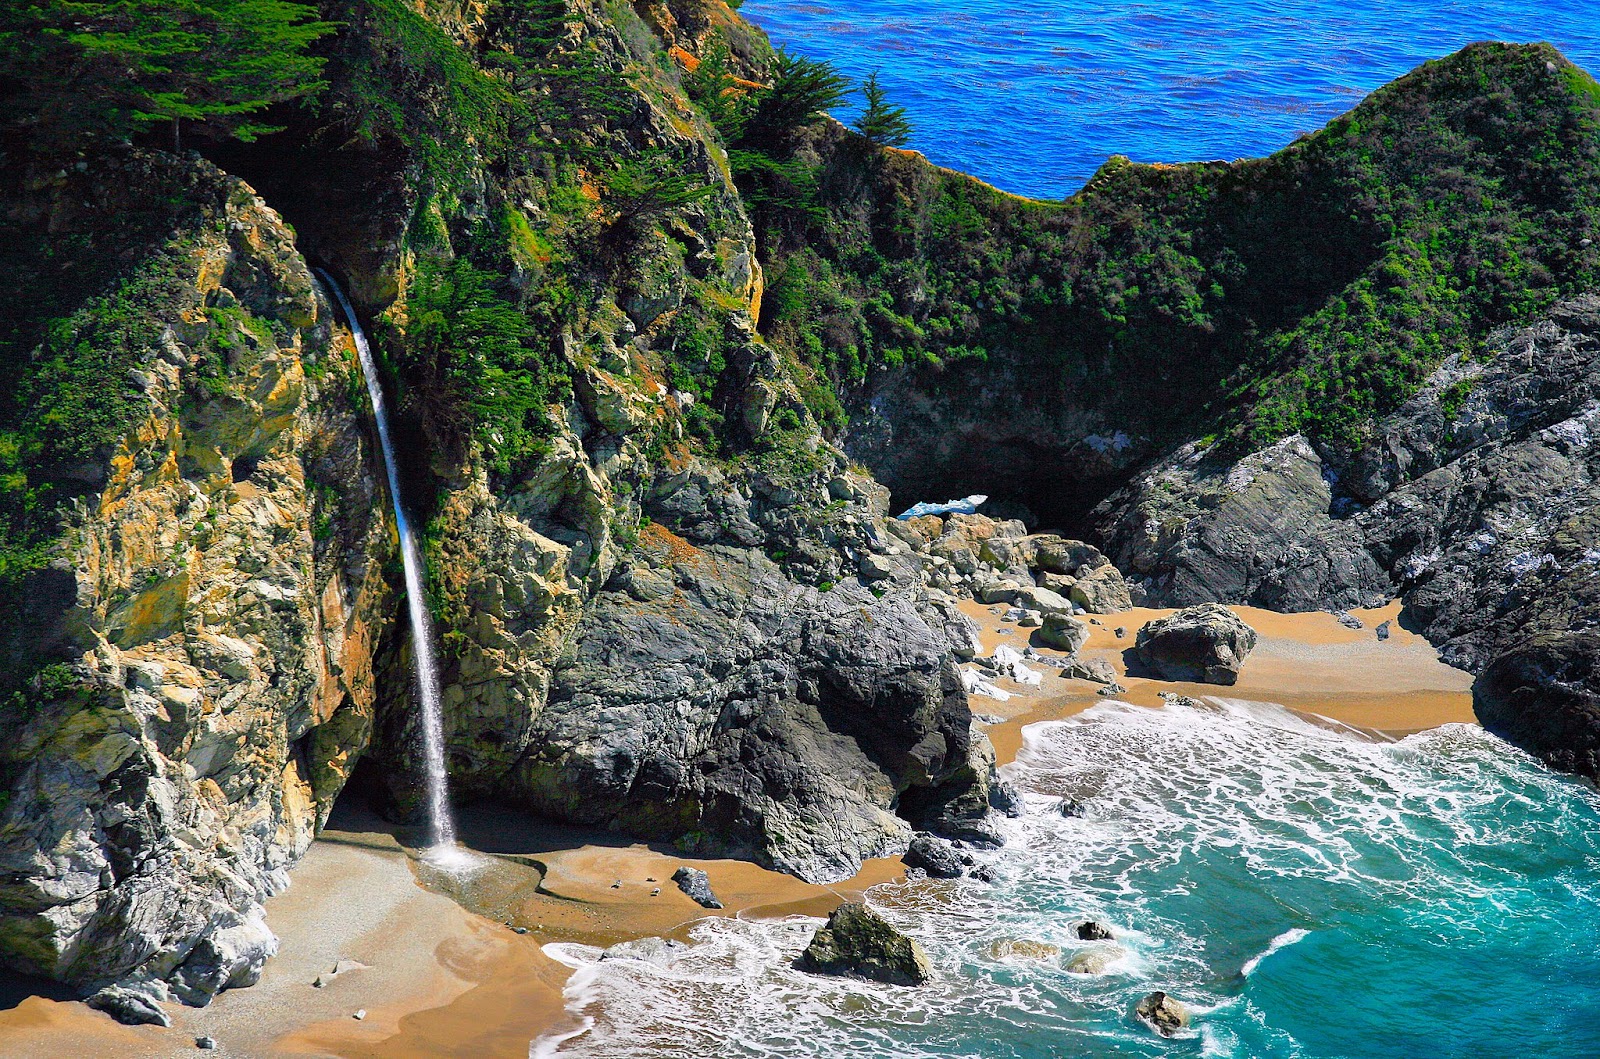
{"x": 665, "y": 547}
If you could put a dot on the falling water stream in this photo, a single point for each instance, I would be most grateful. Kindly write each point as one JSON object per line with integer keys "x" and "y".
{"x": 442, "y": 831}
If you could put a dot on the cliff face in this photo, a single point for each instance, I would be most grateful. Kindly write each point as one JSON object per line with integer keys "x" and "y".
{"x": 643, "y": 556}
{"x": 208, "y": 614}
{"x": 668, "y": 602}
{"x": 1475, "y": 502}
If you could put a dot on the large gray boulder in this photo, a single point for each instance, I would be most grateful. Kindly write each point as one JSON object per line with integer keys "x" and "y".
{"x": 1206, "y": 644}
{"x": 860, "y": 943}
{"x": 1545, "y": 696}
{"x": 1063, "y": 632}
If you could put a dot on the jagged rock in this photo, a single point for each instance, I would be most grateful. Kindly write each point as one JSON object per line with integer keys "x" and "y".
{"x": 1382, "y": 630}
{"x": 1041, "y": 600}
{"x": 205, "y": 1044}
{"x": 226, "y": 958}
{"x": 938, "y": 858}
{"x": 1207, "y": 643}
{"x": 874, "y": 567}
{"x": 1101, "y": 591}
{"x": 1004, "y": 798}
{"x": 1165, "y": 1014}
{"x": 1071, "y": 807}
{"x": 697, "y": 884}
{"x": 215, "y": 611}
{"x": 1095, "y": 959}
{"x": 1063, "y": 632}
{"x": 1348, "y": 620}
{"x": 859, "y": 942}
{"x": 1112, "y": 688}
{"x": 1094, "y": 930}
{"x": 1544, "y": 696}
{"x": 133, "y": 1003}
{"x": 1096, "y": 669}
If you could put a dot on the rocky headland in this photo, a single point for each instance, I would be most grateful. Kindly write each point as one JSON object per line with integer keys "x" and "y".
{"x": 656, "y": 418}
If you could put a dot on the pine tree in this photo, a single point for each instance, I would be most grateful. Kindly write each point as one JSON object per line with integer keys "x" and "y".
{"x": 883, "y": 124}
{"x": 77, "y": 71}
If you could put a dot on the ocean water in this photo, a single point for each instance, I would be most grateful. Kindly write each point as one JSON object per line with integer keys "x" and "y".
{"x": 1032, "y": 95}
{"x": 1307, "y": 891}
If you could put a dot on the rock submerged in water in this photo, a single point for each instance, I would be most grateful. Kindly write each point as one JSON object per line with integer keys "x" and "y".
{"x": 857, "y": 941}
{"x": 1208, "y": 644}
{"x": 1095, "y": 959}
{"x": 1163, "y": 1013}
{"x": 697, "y": 884}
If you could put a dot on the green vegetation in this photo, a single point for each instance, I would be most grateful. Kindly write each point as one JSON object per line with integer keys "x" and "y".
{"x": 474, "y": 357}
{"x": 1308, "y": 291}
{"x": 881, "y": 123}
{"x": 73, "y": 72}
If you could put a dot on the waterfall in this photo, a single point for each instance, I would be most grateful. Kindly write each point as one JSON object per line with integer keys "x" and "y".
{"x": 442, "y": 830}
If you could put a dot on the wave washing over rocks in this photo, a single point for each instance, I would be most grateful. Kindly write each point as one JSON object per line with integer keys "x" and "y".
{"x": 1303, "y": 889}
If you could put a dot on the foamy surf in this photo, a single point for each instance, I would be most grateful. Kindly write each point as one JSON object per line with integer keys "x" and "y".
{"x": 1299, "y": 885}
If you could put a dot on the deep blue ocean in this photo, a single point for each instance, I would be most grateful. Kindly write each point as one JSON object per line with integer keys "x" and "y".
{"x": 1032, "y": 95}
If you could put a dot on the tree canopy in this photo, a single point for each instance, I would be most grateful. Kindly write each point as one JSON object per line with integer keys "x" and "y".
{"x": 882, "y": 123}
{"x": 77, "y": 71}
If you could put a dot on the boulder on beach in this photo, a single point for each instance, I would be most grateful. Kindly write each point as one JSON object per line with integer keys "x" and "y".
{"x": 1063, "y": 632}
{"x": 1101, "y": 591}
{"x": 133, "y": 1003}
{"x": 937, "y": 857}
{"x": 1097, "y": 670}
{"x": 1207, "y": 644}
{"x": 857, "y": 941}
{"x": 697, "y": 884}
{"x": 1163, "y": 1013}
{"x": 1023, "y": 948}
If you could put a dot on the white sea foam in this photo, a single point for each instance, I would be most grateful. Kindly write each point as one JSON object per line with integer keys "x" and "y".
{"x": 1282, "y": 941}
{"x": 1207, "y": 825}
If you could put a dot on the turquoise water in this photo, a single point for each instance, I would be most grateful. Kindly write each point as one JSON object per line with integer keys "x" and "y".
{"x": 1032, "y": 95}
{"x": 1308, "y": 892}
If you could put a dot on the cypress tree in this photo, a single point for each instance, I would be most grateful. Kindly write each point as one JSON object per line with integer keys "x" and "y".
{"x": 76, "y": 71}
{"x": 883, "y": 124}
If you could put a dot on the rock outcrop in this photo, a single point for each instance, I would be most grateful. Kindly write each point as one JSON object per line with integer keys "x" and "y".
{"x": 203, "y": 635}
{"x": 858, "y": 942}
{"x": 1475, "y": 502}
{"x": 1207, "y": 643}
{"x": 1163, "y": 1013}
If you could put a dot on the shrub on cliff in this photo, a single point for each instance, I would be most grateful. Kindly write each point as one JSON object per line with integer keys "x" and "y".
{"x": 73, "y": 71}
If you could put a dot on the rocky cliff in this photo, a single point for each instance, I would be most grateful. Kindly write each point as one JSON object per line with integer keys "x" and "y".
{"x": 198, "y": 640}
{"x": 637, "y": 351}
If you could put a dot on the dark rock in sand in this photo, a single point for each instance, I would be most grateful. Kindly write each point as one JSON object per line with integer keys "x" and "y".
{"x": 1063, "y": 632}
{"x": 937, "y": 857}
{"x": 1163, "y": 1013}
{"x": 1545, "y": 697}
{"x": 860, "y": 943}
{"x": 1097, "y": 670}
{"x": 1112, "y": 689}
{"x": 1094, "y": 930}
{"x": 697, "y": 885}
{"x": 1072, "y": 807}
{"x": 1207, "y": 643}
{"x": 205, "y": 1044}
{"x": 1382, "y": 630}
{"x": 132, "y": 1003}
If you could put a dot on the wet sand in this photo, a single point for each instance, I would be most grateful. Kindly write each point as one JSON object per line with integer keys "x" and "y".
{"x": 448, "y": 975}
{"x": 1307, "y": 662}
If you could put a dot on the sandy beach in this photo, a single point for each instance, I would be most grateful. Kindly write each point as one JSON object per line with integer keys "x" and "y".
{"x": 447, "y": 972}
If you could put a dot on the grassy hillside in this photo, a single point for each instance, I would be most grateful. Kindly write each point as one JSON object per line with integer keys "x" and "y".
{"x": 1306, "y": 291}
